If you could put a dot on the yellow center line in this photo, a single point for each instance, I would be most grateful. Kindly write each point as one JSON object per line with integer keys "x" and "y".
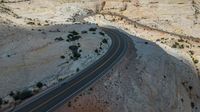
{"x": 45, "y": 102}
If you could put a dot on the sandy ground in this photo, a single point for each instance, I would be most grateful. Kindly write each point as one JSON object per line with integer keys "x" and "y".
{"x": 178, "y": 16}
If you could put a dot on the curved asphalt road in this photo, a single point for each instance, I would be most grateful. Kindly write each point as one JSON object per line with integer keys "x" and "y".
{"x": 56, "y": 96}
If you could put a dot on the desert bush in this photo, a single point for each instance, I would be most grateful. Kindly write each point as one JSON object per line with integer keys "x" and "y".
{"x": 72, "y": 37}
{"x": 105, "y": 41}
{"x": 62, "y": 57}
{"x": 30, "y": 23}
{"x": 92, "y": 29}
{"x": 180, "y": 40}
{"x": 174, "y": 46}
{"x": 157, "y": 39}
{"x": 83, "y": 32}
{"x": 181, "y": 46}
{"x": 23, "y": 95}
{"x": 79, "y": 45}
{"x": 76, "y": 56}
{"x": 59, "y": 39}
{"x": 96, "y": 51}
{"x": 192, "y": 104}
{"x": 39, "y": 85}
{"x": 1, "y": 101}
{"x": 100, "y": 48}
{"x": 74, "y": 32}
{"x": 101, "y": 33}
{"x": 11, "y": 93}
{"x": 191, "y": 52}
{"x": 196, "y": 61}
{"x": 73, "y": 48}
{"x": 77, "y": 70}
{"x": 75, "y": 53}
{"x": 69, "y": 104}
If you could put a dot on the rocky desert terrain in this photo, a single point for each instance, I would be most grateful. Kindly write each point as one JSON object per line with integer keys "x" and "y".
{"x": 160, "y": 72}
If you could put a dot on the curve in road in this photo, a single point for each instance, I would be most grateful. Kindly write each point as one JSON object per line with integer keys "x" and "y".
{"x": 63, "y": 92}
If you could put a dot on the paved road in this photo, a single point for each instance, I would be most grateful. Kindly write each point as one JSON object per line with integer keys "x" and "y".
{"x": 58, "y": 95}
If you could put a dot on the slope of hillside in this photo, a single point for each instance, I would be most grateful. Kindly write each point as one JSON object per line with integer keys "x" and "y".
{"x": 147, "y": 79}
{"x": 163, "y": 75}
